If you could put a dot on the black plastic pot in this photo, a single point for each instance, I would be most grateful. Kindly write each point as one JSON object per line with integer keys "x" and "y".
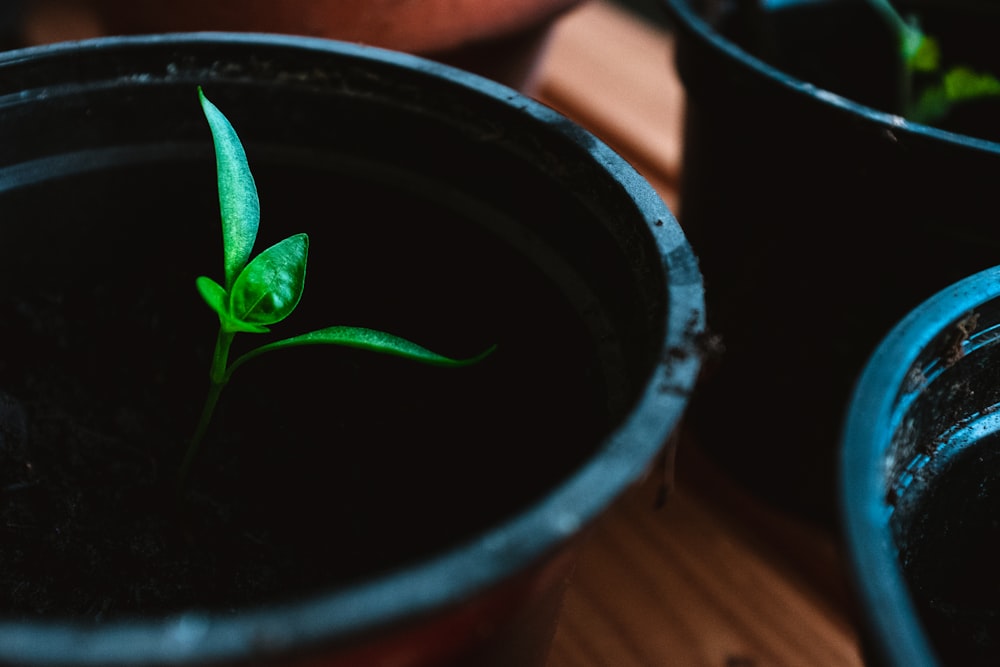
{"x": 432, "y": 515}
{"x": 820, "y": 219}
{"x": 920, "y": 482}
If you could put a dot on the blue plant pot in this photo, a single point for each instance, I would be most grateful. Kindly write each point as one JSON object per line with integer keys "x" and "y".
{"x": 920, "y": 482}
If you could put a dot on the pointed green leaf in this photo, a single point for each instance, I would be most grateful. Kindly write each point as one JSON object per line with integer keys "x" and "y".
{"x": 376, "y": 341}
{"x": 218, "y": 300}
{"x": 213, "y": 294}
{"x": 367, "y": 339}
{"x": 962, "y": 83}
{"x": 925, "y": 55}
{"x": 270, "y": 286}
{"x": 238, "y": 202}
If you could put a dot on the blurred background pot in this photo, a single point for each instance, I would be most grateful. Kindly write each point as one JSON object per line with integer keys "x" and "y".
{"x": 820, "y": 219}
{"x": 441, "y": 206}
{"x": 500, "y": 39}
{"x": 920, "y": 483}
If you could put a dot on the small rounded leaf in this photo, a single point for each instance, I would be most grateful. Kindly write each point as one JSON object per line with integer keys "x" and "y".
{"x": 270, "y": 286}
{"x": 215, "y": 296}
{"x": 213, "y": 293}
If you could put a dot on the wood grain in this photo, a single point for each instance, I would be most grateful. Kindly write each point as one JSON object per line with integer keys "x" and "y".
{"x": 613, "y": 74}
{"x": 714, "y": 578}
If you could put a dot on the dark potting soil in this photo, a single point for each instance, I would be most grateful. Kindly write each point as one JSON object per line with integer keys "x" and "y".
{"x": 323, "y": 465}
{"x": 950, "y": 548}
{"x": 90, "y": 524}
{"x": 292, "y": 494}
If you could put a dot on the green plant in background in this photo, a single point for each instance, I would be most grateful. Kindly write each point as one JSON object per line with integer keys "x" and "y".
{"x": 921, "y": 56}
{"x": 264, "y": 290}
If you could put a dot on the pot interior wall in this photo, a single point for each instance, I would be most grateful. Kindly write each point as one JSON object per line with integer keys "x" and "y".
{"x": 455, "y": 234}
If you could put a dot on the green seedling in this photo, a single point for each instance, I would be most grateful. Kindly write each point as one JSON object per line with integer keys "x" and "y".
{"x": 920, "y": 55}
{"x": 262, "y": 291}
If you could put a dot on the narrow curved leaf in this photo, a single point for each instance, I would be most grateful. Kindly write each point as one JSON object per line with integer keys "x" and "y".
{"x": 270, "y": 286}
{"x": 367, "y": 339}
{"x": 238, "y": 202}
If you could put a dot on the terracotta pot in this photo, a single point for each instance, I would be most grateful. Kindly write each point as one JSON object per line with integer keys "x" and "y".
{"x": 497, "y": 38}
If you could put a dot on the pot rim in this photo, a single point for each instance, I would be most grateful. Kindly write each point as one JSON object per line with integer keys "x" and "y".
{"x": 689, "y": 22}
{"x": 874, "y": 411}
{"x": 438, "y": 582}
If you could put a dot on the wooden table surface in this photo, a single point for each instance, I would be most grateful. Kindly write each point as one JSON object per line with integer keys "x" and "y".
{"x": 714, "y": 578}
